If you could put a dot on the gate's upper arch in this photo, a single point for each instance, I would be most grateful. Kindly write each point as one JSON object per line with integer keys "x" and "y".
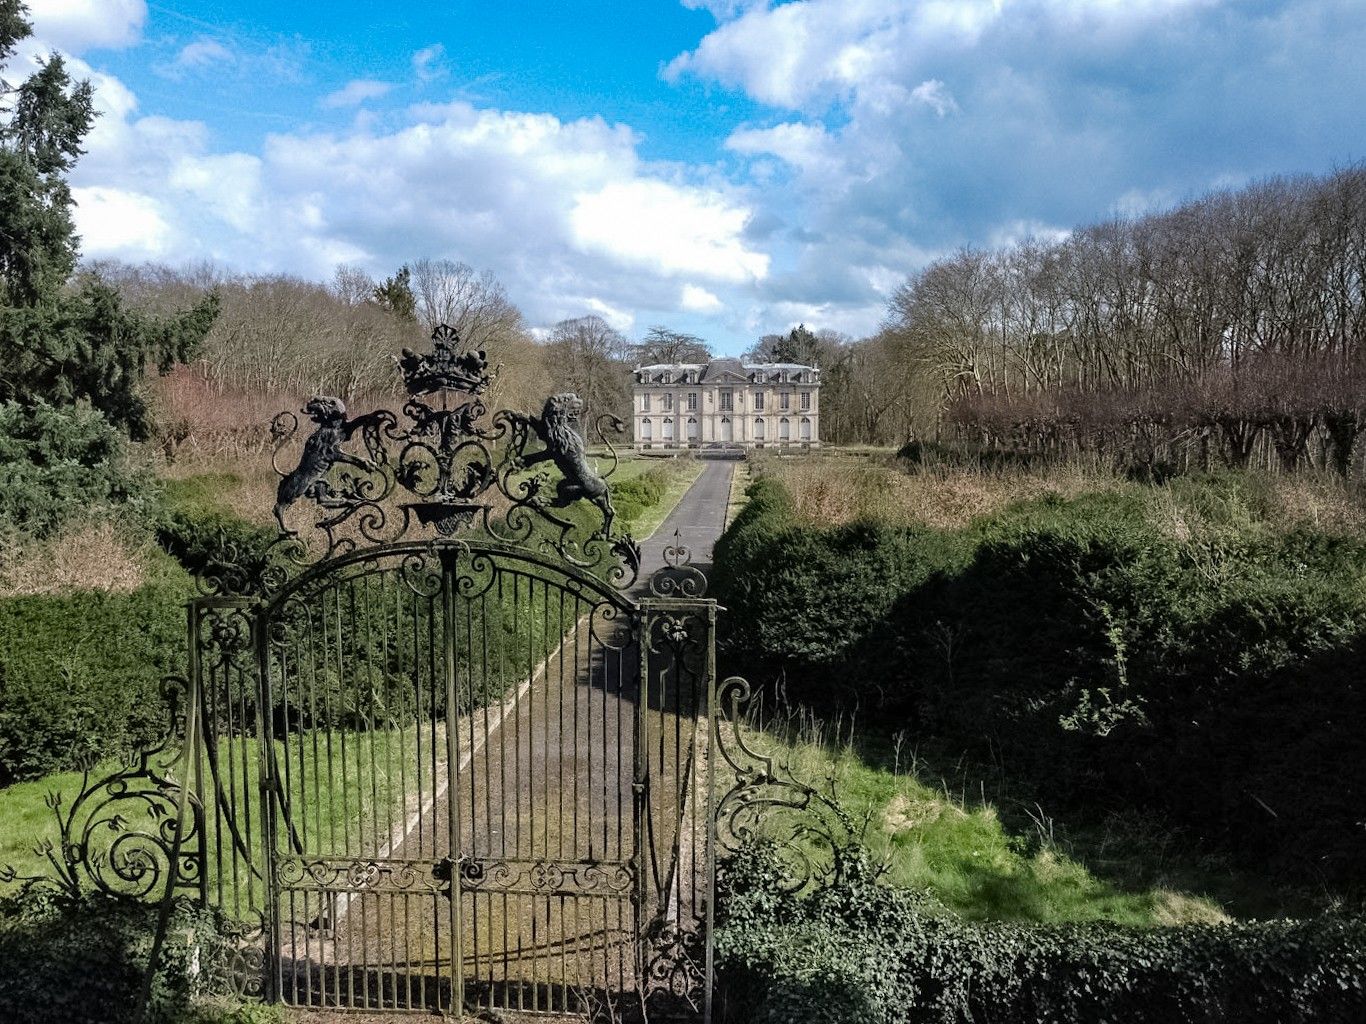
{"x": 441, "y": 467}
{"x": 420, "y": 563}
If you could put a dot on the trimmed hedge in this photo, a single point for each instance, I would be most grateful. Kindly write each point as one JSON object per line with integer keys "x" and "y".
{"x": 1217, "y": 680}
{"x": 859, "y": 952}
{"x": 80, "y": 673}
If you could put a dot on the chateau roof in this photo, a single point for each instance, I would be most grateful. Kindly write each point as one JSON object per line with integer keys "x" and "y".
{"x": 720, "y": 368}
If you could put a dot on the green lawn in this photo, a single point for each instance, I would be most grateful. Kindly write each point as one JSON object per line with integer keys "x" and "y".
{"x": 355, "y": 809}
{"x": 955, "y": 845}
{"x": 681, "y": 473}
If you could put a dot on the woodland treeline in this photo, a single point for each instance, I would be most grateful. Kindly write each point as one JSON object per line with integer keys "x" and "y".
{"x": 278, "y": 337}
{"x": 1230, "y": 329}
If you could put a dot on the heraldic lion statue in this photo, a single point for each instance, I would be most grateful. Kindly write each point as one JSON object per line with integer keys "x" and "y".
{"x": 556, "y": 428}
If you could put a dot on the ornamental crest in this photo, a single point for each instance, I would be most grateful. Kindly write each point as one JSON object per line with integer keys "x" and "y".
{"x": 440, "y": 466}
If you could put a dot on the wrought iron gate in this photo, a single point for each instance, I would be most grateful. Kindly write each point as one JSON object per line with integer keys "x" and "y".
{"x": 458, "y": 755}
{"x": 455, "y": 757}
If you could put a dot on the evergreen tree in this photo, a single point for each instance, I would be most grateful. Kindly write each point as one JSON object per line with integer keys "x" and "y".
{"x": 64, "y": 341}
{"x": 798, "y": 345}
{"x": 396, "y": 295}
{"x": 68, "y": 345}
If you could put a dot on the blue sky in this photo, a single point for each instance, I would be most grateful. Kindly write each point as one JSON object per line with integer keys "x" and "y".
{"x": 729, "y": 167}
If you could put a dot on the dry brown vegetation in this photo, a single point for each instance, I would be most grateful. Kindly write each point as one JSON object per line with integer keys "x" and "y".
{"x": 832, "y": 490}
{"x": 86, "y": 555}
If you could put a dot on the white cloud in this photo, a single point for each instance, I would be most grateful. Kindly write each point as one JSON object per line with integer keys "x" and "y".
{"x": 618, "y": 318}
{"x": 933, "y": 94}
{"x": 813, "y": 51}
{"x": 355, "y": 92}
{"x": 79, "y": 25}
{"x": 668, "y": 228}
{"x": 198, "y": 56}
{"x": 564, "y": 212}
{"x": 698, "y": 300}
{"x": 806, "y": 146}
{"x": 112, "y": 222}
{"x": 427, "y": 62}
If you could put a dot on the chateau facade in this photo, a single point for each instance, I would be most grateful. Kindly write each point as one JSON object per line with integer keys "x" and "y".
{"x": 726, "y": 402}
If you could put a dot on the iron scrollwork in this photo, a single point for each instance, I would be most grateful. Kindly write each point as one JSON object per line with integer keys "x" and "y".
{"x": 678, "y": 577}
{"x": 123, "y": 834}
{"x": 768, "y": 800}
{"x": 442, "y": 464}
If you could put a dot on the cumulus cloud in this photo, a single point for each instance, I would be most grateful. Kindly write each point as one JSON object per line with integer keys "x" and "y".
{"x": 565, "y": 212}
{"x": 427, "y": 62}
{"x": 696, "y": 299}
{"x": 818, "y": 50}
{"x": 355, "y": 92}
{"x": 667, "y": 228}
{"x": 79, "y": 25}
{"x": 114, "y": 222}
{"x": 900, "y": 129}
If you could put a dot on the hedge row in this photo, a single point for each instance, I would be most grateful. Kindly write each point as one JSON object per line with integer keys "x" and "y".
{"x": 82, "y": 960}
{"x": 1217, "y": 679}
{"x": 80, "y": 673}
{"x": 856, "y": 952}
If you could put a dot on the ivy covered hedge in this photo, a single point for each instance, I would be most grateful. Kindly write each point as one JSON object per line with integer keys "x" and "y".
{"x": 858, "y": 952}
{"x": 82, "y": 959}
{"x": 1215, "y": 679}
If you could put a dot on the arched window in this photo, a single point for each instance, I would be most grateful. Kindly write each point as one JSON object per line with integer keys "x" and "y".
{"x": 758, "y": 429}
{"x": 647, "y": 430}
{"x": 694, "y": 431}
{"x": 668, "y": 428}
{"x": 806, "y": 428}
{"x": 727, "y": 429}
{"x": 784, "y": 430}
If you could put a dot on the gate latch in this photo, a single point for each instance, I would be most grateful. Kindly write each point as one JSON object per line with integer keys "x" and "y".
{"x": 444, "y": 871}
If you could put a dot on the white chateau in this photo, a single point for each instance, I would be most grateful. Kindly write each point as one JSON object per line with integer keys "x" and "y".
{"x": 727, "y": 402}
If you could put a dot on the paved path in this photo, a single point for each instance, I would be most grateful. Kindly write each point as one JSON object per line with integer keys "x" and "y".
{"x": 699, "y": 517}
{"x": 545, "y": 786}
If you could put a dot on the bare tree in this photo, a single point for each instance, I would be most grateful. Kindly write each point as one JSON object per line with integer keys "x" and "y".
{"x": 585, "y": 357}
{"x": 352, "y": 285}
{"x": 1234, "y": 324}
{"x": 473, "y": 302}
{"x": 664, "y": 345}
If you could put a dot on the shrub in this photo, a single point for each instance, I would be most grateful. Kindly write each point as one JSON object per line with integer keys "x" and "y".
{"x": 82, "y": 960}
{"x": 80, "y": 673}
{"x": 813, "y": 603}
{"x": 196, "y": 531}
{"x": 59, "y": 463}
{"x": 1212, "y": 676}
{"x": 632, "y": 497}
{"x": 857, "y": 951}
